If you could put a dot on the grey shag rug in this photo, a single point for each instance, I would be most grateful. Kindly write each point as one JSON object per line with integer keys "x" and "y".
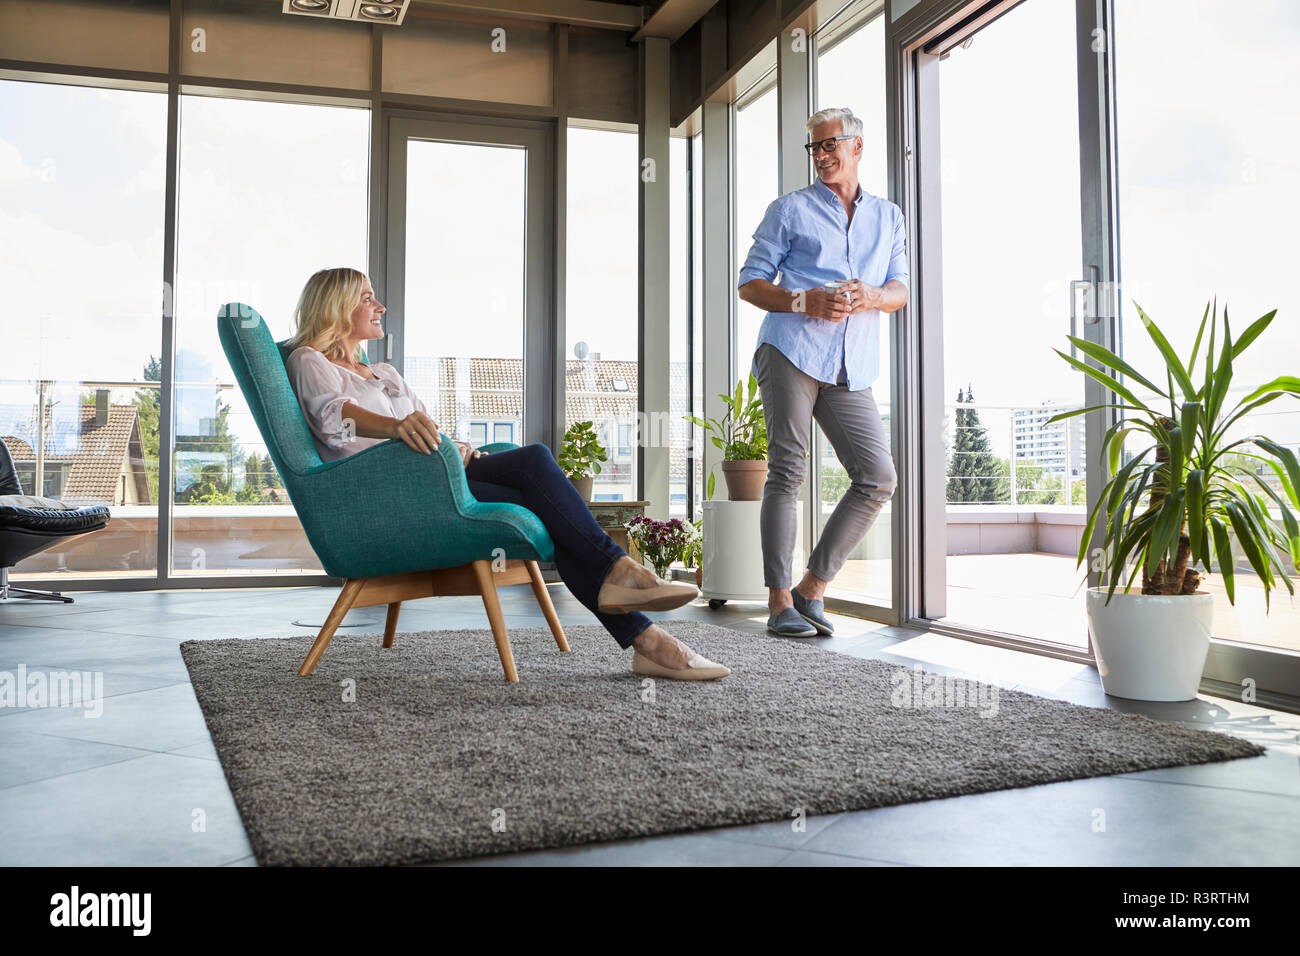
{"x": 423, "y": 752}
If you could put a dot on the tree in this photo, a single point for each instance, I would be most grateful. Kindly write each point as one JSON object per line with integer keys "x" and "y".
{"x": 974, "y": 471}
{"x": 148, "y": 405}
{"x": 211, "y": 483}
{"x": 260, "y": 472}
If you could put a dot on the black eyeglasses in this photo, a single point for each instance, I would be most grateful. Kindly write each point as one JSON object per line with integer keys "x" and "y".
{"x": 826, "y": 145}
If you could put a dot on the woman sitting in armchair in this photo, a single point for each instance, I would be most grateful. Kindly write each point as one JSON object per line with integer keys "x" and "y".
{"x": 350, "y": 406}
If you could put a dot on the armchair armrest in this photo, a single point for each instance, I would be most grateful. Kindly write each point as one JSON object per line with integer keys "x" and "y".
{"x": 497, "y": 446}
{"x": 389, "y": 509}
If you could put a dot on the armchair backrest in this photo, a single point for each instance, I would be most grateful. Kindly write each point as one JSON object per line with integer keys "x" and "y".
{"x": 258, "y": 363}
{"x": 9, "y": 484}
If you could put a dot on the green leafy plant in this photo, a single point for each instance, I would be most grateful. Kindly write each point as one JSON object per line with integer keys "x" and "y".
{"x": 582, "y": 452}
{"x": 1173, "y": 505}
{"x": 742, "y": 433}
{"x": 693, "y": 554}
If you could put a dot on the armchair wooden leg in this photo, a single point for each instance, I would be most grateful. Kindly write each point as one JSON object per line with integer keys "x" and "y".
{"x": 492, "y": 603}
{"x": 390, "y": 623}
{"x": 347, "y": 596}
{"x": 544, "y": 599}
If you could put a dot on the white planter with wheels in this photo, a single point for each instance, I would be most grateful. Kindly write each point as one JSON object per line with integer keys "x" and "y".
{"x": 1150, "y": 646}
{"x": 733, "y": 552}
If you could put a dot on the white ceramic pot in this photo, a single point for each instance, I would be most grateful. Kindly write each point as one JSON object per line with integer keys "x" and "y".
{"x": 1150, "y": 646}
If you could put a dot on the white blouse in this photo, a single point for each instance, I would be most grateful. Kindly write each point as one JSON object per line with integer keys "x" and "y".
{"x": 323, "y": 387}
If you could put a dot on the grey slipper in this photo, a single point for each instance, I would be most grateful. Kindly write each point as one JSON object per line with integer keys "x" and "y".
{"x": 790, "y": 623}
{"x": 813, "y": 611}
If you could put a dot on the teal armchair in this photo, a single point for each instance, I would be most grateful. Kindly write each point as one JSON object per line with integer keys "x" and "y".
{"x": 428, "y": 535}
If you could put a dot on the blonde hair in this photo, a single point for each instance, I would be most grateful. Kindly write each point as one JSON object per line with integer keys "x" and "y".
{"x": 323, "y": 317}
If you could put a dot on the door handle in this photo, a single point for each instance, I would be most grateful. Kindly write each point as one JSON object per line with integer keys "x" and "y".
{"x": 1090, "y": 312}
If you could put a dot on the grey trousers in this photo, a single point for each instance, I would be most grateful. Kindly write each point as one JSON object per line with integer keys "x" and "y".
{"x": 791, "y": 400}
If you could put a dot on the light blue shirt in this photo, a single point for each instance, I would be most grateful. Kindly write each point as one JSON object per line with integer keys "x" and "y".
{"x": 807, "y": 237}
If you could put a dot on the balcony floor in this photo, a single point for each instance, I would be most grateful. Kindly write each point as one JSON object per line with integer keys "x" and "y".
{"x": 1041, "y": 596}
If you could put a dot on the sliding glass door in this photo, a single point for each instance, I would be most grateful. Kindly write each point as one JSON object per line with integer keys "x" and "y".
{"x": 850, "y": 71}
{"x": 1008, "y": 192}
{"x": 1015, "y": 484}
{"x": 468, "y": 285}
{"x": 1058, "y": 174}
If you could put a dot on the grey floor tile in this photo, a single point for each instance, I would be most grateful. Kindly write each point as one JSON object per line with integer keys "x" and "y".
{"x": 203, "y": 751}
{"x": 811, "y": 858}
{"x": 26, "y": 756}
{"x": 38, "y": 615}
{"x": 1276, "y": 771}
{"x": 163, "y": 719}
{"x": 1146, "y": 823}
{"x": 670, "y": 850}
{"x": 1082, "y": 692}
{"x": 141, "y": 812}
{"x": 95, "y": 684}
{"x": 778, "y": 833}
{"x": 130, "y": 619}
{"x": 60, "y": 645}
{"x": 884, "y": 652}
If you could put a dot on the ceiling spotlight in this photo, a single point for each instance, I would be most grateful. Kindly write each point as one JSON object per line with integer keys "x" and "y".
{"x": 391, "y": 13}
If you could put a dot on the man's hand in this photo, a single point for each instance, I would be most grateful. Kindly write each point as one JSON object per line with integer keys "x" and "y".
{"x": 858, "y": 296}
{"x": 819, "y": 303}
{"x": 418, "y": 430}
{"x": 467, "y": 452}
{"x": 865, "y": 296}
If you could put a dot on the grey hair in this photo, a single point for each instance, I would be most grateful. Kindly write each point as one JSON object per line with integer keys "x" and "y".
{"x": 850, "y": 124}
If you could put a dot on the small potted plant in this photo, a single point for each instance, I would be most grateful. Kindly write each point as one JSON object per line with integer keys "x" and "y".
{"x": 581, "y": 455}
{"x": 1176, "y": 505}
{"x": 742, "y": 436}
{"x": 661, "y": 542}
{"x": 693, "y": 555}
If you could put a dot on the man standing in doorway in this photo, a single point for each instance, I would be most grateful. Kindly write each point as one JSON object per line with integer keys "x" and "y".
{"x": 817, "y": 356}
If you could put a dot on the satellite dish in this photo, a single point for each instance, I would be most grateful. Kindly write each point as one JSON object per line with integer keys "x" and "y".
{"x": 580, "y": 349}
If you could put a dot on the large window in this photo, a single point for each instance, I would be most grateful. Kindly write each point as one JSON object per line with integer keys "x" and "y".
{"x": 679, "y": 329}
{"x": 697, "y": 313}
{"x": 463, "y": 352}
{"x": 81, "y": 217}
{"x": 601, "y": 299}
{"x": 1209, "y": 192}
{"x": 268, "y": 194}
{"x": 851, "y": 73}
{"x": 756, "y": 188}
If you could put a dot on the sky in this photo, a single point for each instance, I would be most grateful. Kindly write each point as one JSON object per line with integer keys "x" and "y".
{"x": 1209, "y": 181}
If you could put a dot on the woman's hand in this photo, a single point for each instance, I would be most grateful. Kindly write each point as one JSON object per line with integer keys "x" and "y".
{"x": 467, "y": 452}
{"x": 418, "y": 430}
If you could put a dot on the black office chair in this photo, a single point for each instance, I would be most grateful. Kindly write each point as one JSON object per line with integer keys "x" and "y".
{"x": 28, "y": 531}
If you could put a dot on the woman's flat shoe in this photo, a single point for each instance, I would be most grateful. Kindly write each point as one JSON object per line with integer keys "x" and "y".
{"x": 616, "y": 599}
{"x": 699, "y": 668}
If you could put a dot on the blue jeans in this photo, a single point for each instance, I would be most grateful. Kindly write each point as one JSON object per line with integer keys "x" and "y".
{"x": 584, "y": 553}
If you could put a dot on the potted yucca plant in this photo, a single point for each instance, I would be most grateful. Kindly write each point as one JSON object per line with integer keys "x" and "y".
{"x": 1174, "y": 508}
{"x": 742, "y": 436}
